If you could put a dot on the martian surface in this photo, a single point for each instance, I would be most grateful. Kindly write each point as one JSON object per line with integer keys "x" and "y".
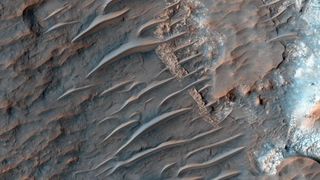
{"x": 160, "y": 89}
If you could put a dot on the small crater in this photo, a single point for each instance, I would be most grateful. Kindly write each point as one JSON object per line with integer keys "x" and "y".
{"x": 31, "y": 20}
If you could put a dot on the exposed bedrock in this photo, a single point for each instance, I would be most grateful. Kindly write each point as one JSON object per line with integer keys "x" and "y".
{"x": 142, "y": 89}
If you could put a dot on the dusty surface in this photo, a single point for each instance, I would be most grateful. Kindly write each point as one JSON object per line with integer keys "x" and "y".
{"x": 146, "y": 89}
{"x": 299, "y": 168}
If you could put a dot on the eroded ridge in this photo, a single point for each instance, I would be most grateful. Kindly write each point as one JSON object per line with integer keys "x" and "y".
{"x": 167, "y": 54}
{"x": 142, "y": 118}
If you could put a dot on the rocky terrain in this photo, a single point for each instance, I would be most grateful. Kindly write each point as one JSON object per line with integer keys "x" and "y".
{"x": 150, "y": 89}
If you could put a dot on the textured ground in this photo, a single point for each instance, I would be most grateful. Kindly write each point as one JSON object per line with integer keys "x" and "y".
{"x": 145, "y": 89}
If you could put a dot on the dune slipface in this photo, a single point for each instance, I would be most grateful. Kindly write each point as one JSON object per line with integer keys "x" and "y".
{"x": 149, "y": 89}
